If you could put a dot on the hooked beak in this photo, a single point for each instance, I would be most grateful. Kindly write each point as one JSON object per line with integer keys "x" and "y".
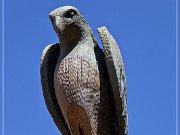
{"x": 51, "y": 17}
{"x": 54, "y": 20}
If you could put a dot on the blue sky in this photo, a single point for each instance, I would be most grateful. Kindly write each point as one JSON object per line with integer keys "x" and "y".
{"x": 145, "y": 32}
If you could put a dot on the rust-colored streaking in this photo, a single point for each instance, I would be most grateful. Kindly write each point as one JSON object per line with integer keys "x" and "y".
{"x": 80, "y": 83}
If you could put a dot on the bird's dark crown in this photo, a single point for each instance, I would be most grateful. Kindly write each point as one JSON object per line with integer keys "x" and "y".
{"x": 69, "y": 23}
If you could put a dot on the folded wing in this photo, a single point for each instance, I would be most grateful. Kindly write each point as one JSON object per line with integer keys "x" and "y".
{"x": 117, "y": 77}
{"x": 49, "y": 60}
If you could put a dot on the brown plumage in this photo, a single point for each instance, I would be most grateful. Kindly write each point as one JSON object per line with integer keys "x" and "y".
{"x": 82, "y": 94}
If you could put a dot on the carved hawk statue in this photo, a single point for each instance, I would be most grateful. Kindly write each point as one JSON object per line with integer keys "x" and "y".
{"x": 84, "y": 87}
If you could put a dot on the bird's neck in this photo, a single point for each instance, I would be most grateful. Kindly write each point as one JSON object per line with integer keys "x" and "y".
{"x": 68, "y": 43}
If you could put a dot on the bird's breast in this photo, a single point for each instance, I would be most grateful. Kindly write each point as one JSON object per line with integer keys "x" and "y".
{"x": 77, "y": 81}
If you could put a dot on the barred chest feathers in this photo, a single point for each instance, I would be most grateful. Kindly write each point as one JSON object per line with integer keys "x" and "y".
{"x": 77, "y": 82}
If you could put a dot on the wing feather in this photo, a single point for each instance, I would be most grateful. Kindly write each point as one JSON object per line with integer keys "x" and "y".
{"x": 117, "y": 77}
{"x": 49, "y": 60}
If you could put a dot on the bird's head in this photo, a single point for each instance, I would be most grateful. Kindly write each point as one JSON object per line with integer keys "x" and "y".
{"x": 69, "y": 23}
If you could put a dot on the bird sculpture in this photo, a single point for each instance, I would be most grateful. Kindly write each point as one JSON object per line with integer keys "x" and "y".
{"x": 84, "y": 86}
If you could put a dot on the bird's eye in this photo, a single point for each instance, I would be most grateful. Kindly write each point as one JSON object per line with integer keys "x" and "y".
{"x": 70, "y": 14}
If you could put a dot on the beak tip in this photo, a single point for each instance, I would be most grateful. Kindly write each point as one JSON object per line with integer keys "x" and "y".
{"x": 51, "y": 15}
